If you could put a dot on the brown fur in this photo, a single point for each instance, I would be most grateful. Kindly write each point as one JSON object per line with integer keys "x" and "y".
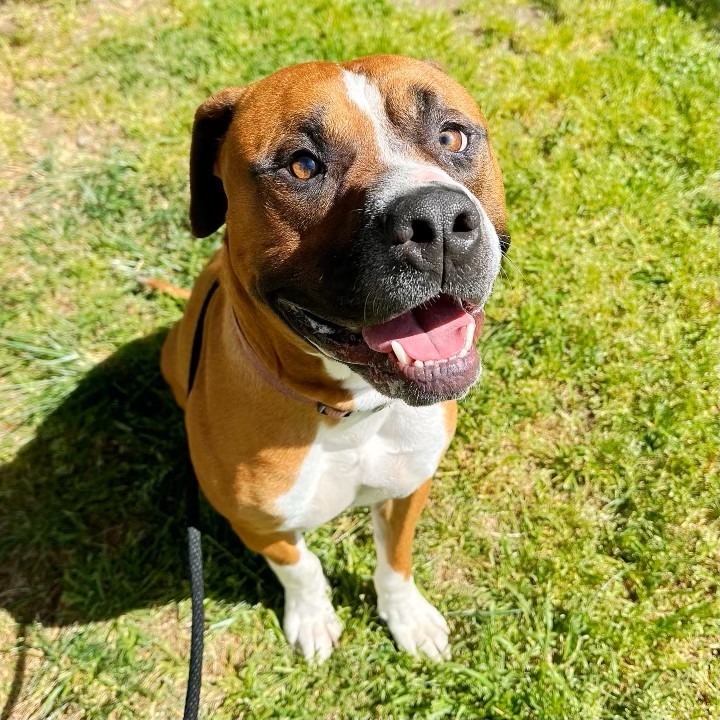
{"x": 243, "y": 457}
{"x": 399, "y": 518}
{"x": 164, "y": 287}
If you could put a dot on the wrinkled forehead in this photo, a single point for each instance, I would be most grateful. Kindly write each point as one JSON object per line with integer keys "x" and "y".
{"x": 411, "y": 86}
{"x": 370, "y": 102}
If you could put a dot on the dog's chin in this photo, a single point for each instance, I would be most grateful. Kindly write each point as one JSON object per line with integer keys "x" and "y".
{"x": 426, "y": 385}
{"x": 404, "y": 378}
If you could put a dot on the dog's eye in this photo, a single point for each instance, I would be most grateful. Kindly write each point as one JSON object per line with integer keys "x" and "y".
{"x": 453, "y": 140}
{"x": 304, "y": 166}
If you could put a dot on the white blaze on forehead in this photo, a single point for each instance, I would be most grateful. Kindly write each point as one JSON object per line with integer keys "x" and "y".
{"x": 368, "y": 98}
{"x": 402, "y": 165}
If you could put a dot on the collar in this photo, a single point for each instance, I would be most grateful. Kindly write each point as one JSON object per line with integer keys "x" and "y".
{"x": 274, "y": 381}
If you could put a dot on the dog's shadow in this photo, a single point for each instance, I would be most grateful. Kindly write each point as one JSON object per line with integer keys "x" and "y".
{"x": 92, "y": 512}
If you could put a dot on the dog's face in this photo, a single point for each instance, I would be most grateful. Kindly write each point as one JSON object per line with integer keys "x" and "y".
{"x": 365, "y": 207}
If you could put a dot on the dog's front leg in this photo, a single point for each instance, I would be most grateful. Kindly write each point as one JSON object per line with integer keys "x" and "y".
{"x": 414, "y": 623}
{"x": 310, "y": 623}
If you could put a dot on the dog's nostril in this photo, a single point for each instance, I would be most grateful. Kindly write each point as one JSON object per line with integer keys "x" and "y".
{"x": 403, "y": 234}
{"x": 422, "y": 231}
{"x": 463, "y": 223}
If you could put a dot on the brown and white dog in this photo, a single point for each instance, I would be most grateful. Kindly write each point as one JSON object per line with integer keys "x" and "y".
{"x": 365, "y": 226}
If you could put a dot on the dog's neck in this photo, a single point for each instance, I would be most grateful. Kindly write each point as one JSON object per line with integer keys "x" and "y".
{"x": 289, "y": 364}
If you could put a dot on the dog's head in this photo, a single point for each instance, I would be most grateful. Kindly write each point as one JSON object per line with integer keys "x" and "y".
{"x": 365, "y": 207}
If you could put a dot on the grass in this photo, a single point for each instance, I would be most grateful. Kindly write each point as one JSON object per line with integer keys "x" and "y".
{"x": 573, "y": 535}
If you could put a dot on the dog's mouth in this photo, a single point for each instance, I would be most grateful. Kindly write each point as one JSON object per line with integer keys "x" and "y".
{"x": 423, "y": 355}
{"x": 436, "y": 332}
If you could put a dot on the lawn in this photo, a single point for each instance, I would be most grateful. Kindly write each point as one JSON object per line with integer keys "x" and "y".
{"x": 573, "y": 536}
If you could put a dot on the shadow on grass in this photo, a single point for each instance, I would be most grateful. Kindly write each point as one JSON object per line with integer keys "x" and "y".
{"x": 92, "y": 513}
{"x": 707, "y": 11}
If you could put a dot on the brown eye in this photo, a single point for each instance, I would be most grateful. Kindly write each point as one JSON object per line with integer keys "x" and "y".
{"x": 304, "y": 167}
{"x": 453, "y": 140}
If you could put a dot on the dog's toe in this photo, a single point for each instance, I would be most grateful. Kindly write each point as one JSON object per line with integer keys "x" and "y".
{"x": 418, "y": 628}
{"x": 312, "y": 627}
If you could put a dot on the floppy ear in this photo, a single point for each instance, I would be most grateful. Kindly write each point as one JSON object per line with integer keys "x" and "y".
{"x": 208, "y": 203}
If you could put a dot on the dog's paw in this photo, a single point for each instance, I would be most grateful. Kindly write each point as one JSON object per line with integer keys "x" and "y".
{"x": 415, "y": 624}
{"x": 311, "y": 626}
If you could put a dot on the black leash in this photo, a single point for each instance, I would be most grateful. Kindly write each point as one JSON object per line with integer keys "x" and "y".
{"x": 194, "y": 543}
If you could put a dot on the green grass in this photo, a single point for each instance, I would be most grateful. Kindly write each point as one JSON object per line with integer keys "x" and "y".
{"x": 573, "y": 537}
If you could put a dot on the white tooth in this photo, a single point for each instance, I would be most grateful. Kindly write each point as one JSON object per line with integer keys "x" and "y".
{"x": 400, "y": 353}
{"x": 419, "y": 363}
{"x": 469, "y": 333}
{"x": 430, "y": 362}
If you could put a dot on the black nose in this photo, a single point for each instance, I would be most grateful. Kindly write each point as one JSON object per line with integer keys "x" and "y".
{"x": 432, "y": 225}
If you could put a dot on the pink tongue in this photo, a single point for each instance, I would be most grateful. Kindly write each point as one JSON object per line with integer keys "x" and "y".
{"x": 433, "y": 332}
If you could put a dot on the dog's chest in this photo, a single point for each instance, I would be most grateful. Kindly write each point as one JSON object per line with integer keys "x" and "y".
{"x": 364, "y": 460}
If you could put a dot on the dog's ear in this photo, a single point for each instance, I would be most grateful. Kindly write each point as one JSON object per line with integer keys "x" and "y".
{"x": 208, "y": 202}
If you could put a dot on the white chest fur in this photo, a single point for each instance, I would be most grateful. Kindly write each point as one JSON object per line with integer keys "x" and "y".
{"x": 363, "y": 460}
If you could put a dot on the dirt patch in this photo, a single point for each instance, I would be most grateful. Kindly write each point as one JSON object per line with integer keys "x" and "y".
{"x": 31, "y": 131}
{"x": 452, "y": 5}
{"x": 21, "y": 663}
{"x": 527, "y": 15}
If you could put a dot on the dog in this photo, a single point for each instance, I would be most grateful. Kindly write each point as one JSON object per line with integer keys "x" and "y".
{"x": 332, "y": 332}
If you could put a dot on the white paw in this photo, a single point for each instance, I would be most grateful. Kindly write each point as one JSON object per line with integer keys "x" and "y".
{"x": 414, "y": 623}
{"x": 311, "y": 625}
